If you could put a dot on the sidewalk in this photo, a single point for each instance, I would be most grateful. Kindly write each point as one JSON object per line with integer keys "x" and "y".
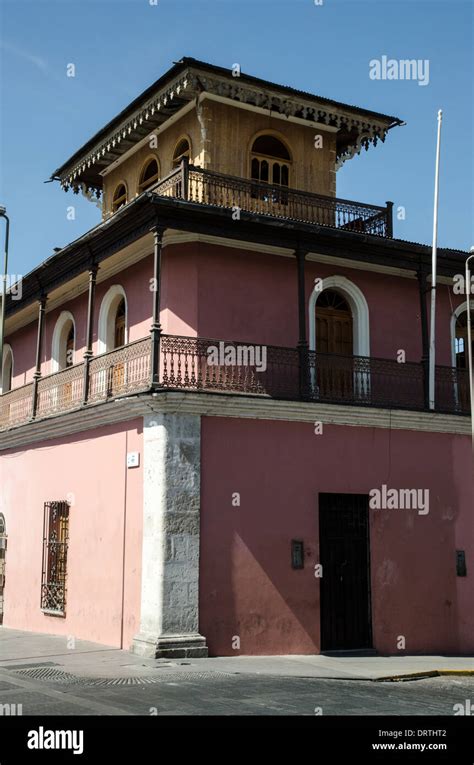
{"x": 32, "y": 651}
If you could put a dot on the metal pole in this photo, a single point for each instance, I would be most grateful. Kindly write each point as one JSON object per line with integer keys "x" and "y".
{"x": 89, "y": 331}
{"x": 425, "y": 341}
{"x": 303, "y": 355}
{"x": 432, "y": 366}
{"x": 155, "y": 330}
{"x": 4, "y": 295}
{"x": 469, "y": 345}
{"x": 39, "y": 348}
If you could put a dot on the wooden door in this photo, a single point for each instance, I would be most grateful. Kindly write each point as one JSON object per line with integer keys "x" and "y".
{"x": 67, "y": 387}
{"x": 334, "y": 337}
{"x": 462, "y": 358}
{"x": 345, "y": 584}
{"x": 118, "y": 370}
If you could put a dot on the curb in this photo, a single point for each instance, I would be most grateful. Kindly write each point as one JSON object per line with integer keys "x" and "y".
{"x": 422, "y": 675}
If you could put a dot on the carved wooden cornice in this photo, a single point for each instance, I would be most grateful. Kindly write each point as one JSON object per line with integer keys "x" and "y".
{"x": 355, "y": 132}
{"x": 143, "y": 121}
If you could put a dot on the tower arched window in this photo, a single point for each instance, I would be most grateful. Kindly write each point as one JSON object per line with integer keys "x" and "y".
{"x": 270, "y": 161}
{"x": 120, "y": 197}
{"x": 149, "y": 175}
{"x": 181, "y": 151}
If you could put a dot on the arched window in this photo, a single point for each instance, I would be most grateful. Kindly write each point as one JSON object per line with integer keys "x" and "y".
{"x": 149, "y": 175}
{"x": 113, "y": 320}
{"x": 181, "y": 151}
{"x": 63, "y": 345}
{"x": 7, "y": 371}
{"x": 120, "y": 197}
{"x": 270, "y": 161}
{"x": 3, "y": 528}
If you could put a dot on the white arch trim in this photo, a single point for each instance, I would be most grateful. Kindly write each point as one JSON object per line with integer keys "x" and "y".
{"x": 456, "y": 313}
{"x": 359, "y": 309}
{"x": 108, "y": 307}
{"x": 59, "y": 340}
{"x": 7, "y": 359}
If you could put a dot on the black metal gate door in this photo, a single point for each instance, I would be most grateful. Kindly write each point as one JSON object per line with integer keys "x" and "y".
{"x": 345, "y": 582}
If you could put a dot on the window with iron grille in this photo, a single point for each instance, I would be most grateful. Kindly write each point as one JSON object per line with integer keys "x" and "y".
{"x": 55, "y": 542}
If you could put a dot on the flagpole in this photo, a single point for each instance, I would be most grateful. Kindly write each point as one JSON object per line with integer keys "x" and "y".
{"x": 432, "y": 362}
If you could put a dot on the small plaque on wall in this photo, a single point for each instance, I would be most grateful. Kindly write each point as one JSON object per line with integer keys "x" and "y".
{"x": 461, "y": 563}
{"x": 133, "y": 459}
{"x": 297, "y": 553}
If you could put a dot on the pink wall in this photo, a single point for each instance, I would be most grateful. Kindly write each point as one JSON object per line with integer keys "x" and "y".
{"x": 135, "y": 280}
{"x": 107, "y": 504}
{"x": 247, "y": 586}
{"x": 180, "y": 297}
{"x": 225, "y": 293}
{"x": 253, "y": 297}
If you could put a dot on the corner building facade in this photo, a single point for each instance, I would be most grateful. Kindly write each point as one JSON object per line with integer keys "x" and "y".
{"x": 154, "y": 500}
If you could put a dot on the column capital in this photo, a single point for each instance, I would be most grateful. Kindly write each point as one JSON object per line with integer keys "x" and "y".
{"x": 300, "y": 253}
{"x": 158, "y": 230}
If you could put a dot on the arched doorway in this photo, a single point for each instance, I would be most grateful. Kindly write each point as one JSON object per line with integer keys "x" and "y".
{"x": 113, "y": 335}
{"x": 334, "y": 325}
{"x": 339, "y": 333}
{"x": 3, "y": 549}
{"x": 117, "y": 370}
{"x": 119, "y": 327}
{"x": 460, "y": 340}
{"x": 334, "y": 346}
{"x": 6, "y": 377}
{"x": 461, "y": 358}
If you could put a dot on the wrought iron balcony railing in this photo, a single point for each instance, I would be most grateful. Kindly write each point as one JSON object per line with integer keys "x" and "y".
{"x": 218, "y": 190}
{"x": 289, "y": 374}
{"x": 189, "y": 363}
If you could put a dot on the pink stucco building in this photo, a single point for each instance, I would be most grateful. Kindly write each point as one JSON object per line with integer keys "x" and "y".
{"x": 215, "y": 434}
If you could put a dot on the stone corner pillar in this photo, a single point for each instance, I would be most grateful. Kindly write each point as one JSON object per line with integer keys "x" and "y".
{"x": 169, "y": 624}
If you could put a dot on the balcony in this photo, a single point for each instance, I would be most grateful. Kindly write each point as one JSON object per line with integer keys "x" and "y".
{"x": 206, "y": 187}
{"x": 185, "y": 365}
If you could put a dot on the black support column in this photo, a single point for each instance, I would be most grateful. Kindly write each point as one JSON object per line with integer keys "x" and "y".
{"x": 90, "y": 326}
{"x": 39, "y": 347}
{"x": 155, "y": 330}
{"x": 303, "y": 351}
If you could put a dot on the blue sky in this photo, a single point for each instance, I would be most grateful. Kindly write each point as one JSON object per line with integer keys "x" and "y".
{"x": 119, "y": 47}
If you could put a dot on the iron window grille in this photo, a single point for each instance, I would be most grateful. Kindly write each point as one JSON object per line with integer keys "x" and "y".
{"x": 55, "y": 544}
